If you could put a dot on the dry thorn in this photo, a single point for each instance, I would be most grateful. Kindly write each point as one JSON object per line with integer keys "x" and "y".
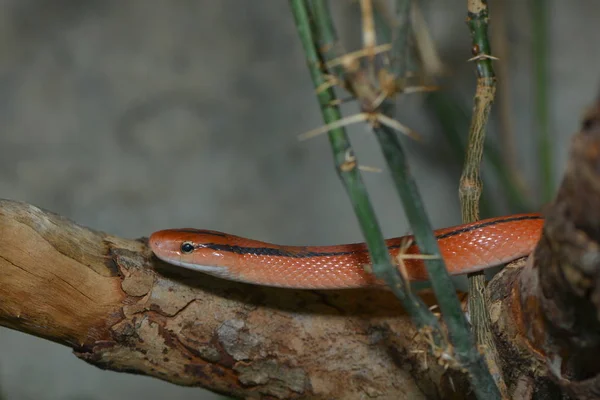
{"x": 331, "y": 81}
{"x": 420, "y": 89}
{"x": 483, "y": 57}
{"x": 402, "y": 255}
{"x": 377, "y": 102}
{"x": 425, "y": 332}
{"x": 324, "y": 86}
{"x": 334, "y": 125}
{"x": 393, "y": 124}
{"x": 347, "y": 167}
{"x": 390, "y": 85}
{"x": 404, "y": 273}
{"x": 345, "y": 59}
{"x": 349, "y": 161}
{"x": 373, "y": 118}
{"x": 350, "y": 64}
{"x": 445, "y": 357}
{"x": 366, "y": 168}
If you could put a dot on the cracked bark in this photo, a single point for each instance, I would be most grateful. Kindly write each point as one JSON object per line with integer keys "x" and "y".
{"x": 546, "y": 312}
{"x": 120, "y": 308}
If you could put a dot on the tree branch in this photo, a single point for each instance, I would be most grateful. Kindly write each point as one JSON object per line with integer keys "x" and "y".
{"x": 121, "y": 309}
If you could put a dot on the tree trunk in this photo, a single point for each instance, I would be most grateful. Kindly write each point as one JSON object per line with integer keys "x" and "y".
{"x": 545, "y": 312}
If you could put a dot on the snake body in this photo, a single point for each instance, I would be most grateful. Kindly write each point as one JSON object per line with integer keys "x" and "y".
{"x": 465, "y": 248}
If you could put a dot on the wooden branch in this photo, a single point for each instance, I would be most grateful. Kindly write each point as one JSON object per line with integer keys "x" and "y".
{"x": 120, "y": 308}
{"x": 546, "y": 316}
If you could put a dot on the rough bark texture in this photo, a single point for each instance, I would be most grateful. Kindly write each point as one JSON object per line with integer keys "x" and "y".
{"x": 119, "y": 308}
{"x": 546, "y": 314}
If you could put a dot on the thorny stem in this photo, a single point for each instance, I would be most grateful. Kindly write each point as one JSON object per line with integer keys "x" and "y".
{"x": 458, "y": 329}
{"x": 351, "y": 178}
{"x": 466, "y": 351}
{"x": 464, "y": 346}
{"x": 325, "y": 32}
{"x": 470, "y": 181}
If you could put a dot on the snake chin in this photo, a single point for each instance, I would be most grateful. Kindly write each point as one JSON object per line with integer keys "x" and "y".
{"x": 221, "y": 272}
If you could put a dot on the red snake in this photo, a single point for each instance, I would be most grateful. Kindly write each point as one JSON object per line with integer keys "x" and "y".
{"x": 465, "y": 248}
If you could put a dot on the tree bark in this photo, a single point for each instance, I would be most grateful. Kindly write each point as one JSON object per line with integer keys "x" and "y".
{"x": 120, "y": 308}
{"x": 545, "y": 312}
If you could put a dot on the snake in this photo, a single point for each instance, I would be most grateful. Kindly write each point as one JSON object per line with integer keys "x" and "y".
{"x": 465, "y": 249}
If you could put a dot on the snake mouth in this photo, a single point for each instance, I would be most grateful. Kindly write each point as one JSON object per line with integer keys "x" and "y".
{"x": 221, "y": 272}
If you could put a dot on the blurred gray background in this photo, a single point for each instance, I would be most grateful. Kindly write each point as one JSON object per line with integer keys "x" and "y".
{"x": 132, "y": 116}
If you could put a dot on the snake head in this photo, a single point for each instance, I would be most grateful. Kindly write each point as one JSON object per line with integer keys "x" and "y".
{"x": 193, "y": 249}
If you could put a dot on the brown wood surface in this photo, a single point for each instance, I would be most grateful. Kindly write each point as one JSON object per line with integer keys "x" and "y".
{"x": 120, "y": 308}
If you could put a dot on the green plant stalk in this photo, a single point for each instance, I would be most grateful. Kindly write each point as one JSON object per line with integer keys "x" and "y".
{"x": 452, "y": 115}
{"x": 453, "y": 118}
{"x": 325, "y": 32}
{"x": 539, "y": 24}
{"x": 460, "y": 335}
{"x": 352, "y": 180}
{"x": 465, "y": 349}
{"x": 470, "y": 181}
{"x": 464, "y": 346}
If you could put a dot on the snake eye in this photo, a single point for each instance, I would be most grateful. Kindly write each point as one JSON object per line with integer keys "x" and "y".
{"x": 187, "y": 247}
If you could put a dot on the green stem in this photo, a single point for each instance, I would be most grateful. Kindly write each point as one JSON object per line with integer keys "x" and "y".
{"x": 453, "y": 119}
{"x": 471, "y": 184}
{"x": 351, "y": 178}
{"x": 325, "y": 32}
{"x": 464, "y": 346}
{"x": 460, "y": 335}
{"x": 452, "y": 115}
